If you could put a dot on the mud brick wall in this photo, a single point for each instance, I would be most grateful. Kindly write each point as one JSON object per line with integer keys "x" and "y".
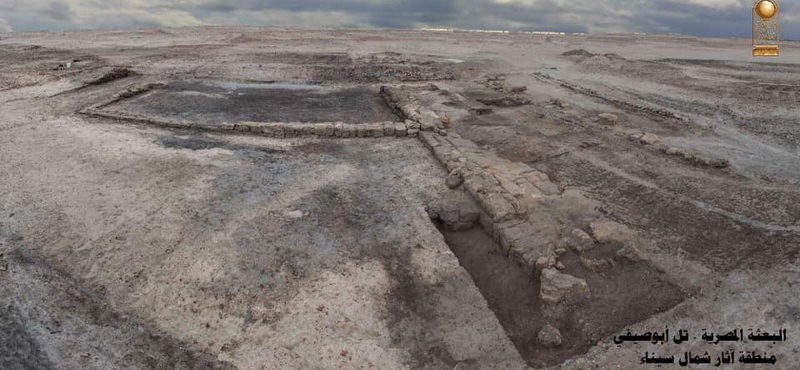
{"x": 507, "y": 193}
{"x": 403, "y": 102}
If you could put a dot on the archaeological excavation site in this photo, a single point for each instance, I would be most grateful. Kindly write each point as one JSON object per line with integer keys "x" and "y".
{"x": 274, "y": 198}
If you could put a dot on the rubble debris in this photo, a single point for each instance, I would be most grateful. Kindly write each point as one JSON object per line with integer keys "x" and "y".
{"x": 294, "y": 215}
{"x": 608, "y": 119}
{"x": 480, "y": 111}
{"x": 558, "y": 103}
{"x": 512, "y": 94}
{"x": 629, "y": 252}
{"x": 557, "y": 287}
{"x": 372, "y": 70}
{"x": 581, "y": 241}
{"x": 597, "y": 264}
{"x": 543, "y": 262}
{"x": 697, "y": 158}
{"x": 454, "y": 180}
{"x": 454, "y": 216}
{"x": 63, "y": 66}
{"x": 648, "y": 138}
{"x": 500, "y": 84}
{"x": 549, "y": 336}
{"x": 547, "y": 187}
{"x": 578, "y": 53}
{"x": 114, "y": 74}
{"x": 506, "y": 101}
{"x": 496, "y": 82}
{"x": 610, "y": 231}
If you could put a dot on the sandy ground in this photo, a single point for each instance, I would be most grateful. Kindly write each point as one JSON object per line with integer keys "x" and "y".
{"x": 126, "y": 245}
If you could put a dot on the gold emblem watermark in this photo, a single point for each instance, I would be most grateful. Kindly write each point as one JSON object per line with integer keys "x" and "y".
{"x": 766, "y": 28}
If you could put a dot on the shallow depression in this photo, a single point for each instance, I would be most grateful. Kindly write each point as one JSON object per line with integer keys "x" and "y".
{"x": 209, "y": 103}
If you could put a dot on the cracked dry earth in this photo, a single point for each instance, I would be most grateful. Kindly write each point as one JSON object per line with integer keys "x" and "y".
{"x": 253, "y": 198}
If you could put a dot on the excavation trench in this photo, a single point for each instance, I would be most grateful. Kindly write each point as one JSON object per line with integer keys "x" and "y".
{"x": 619, "y": 296}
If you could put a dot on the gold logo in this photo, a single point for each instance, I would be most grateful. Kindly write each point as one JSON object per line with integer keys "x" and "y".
{"x": 766, "y": 28}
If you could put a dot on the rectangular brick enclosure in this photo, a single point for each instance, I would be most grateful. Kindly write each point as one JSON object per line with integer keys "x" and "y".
{"x": 208, "y": 103}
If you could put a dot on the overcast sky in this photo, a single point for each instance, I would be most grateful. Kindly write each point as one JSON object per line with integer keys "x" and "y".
{"x": 725, "y": 18}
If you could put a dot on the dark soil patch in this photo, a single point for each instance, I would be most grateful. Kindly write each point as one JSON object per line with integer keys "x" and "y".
{"x": 20, "y": 350}
{"x": 372, "y": 73}
{"x": 625, "y": 294}
{"x": 294, "y": 58}
{"x": 409, "y": 305}
{"x": 209, "y": 103}
{"x": 201, "y": 143}
{"x": 113, "y": 75}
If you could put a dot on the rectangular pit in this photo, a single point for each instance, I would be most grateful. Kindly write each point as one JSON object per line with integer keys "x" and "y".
{"x": 622, "y": 295}
{"x": 209, "y": 103}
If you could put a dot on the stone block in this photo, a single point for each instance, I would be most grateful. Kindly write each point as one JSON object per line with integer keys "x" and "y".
{"x": 528, "y": 250}
{"x": 327, "y": 129}
{"x": 510, "y": 187}
{"x": 487, "y": 224}
{"x": 273, "y": 129}
{"x": 412, "y": 124}
{"x": 597, "y": 265}
{"x": 547, "y": 187}
{"x": 515, "y": 232}
{"x": 557, "y": 287}
{"x": 581, "y": 241}
{"x": 459, "y": 215}
{"x": 462, "y": 144}
{"x": 349, "y": 131}
{"x": 609, "y": 231}
{"x": 375, "y": 130}
{"x": 608, "y": 119}
{"x": 388, "y": 129}
{"x": 454, "y": 180}
{"x": 400, "y": 129}
{"x": 515, "y": 168}
{"x": 480, "y": 183}
{"x": 443, "y": 153}
{"x": 429, "y": 140}
{"x": 318, "y": 130}
{"x": 498, "y": 208}
{"x": 530, "y": 194}
{"x": 549, "y": 337}
{"x": 536, "y": 176}
{"x": 649, "y": 138}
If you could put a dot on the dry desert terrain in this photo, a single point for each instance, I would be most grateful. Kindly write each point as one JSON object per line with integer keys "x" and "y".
{"x": 267, "y": 198}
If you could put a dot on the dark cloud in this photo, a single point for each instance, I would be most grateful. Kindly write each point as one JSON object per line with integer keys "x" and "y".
{"x": 592, "y": 16}
{"x": 57, "y": 10}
